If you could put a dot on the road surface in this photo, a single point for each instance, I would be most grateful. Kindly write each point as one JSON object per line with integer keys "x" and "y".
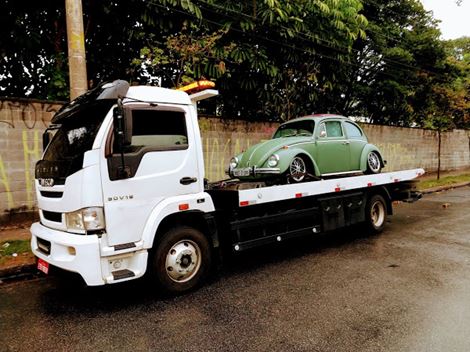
{"x": 407, "y": 289}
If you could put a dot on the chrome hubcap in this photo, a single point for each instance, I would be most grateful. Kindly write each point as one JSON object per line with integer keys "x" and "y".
{"x": 374, "y": 162}
{"x": 297, "y": 169}
{"x": 183, "y": 261}
{"x": 377, "y": 213}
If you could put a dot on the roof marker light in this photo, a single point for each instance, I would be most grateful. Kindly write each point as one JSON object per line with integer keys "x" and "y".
{"x": 197, "y": 86}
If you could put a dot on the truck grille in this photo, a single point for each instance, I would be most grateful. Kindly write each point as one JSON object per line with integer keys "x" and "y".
{"x": 52, "y": 216}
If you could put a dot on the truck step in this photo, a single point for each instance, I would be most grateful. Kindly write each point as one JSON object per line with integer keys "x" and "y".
{"x": 122, "y": 274}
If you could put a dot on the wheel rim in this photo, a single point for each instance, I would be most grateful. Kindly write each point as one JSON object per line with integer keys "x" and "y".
{"x": 374, "y": 162}
{"x": 297, "y": 169}
{"x": 377, "y": 214}
{"x": 183, "y": 261}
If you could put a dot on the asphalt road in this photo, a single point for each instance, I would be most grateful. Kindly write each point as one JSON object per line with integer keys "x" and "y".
{"x": 407, "y": 289}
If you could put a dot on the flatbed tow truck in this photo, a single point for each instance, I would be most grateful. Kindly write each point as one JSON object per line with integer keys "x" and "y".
{"x": 121, "y": 192}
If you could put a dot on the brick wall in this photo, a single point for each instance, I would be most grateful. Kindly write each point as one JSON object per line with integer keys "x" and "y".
{"x": 23, "y": 121}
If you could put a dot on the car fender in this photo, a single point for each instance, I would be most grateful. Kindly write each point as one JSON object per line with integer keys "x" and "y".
{"x": 286, "y": 156}
{"x": 367, "y": 149}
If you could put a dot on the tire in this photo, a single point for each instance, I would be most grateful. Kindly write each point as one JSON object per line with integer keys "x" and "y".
{"x": 376, "y": 214}
{"x": 181, "y": 260}
{"x": 297, "y": 171}
{"x": 374, "y": 164}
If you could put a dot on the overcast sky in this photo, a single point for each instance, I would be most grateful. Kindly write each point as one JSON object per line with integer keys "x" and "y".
{"x": 455, "y": 19}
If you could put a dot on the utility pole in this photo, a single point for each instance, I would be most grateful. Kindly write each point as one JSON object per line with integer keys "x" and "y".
{"x": 76, "y": 45}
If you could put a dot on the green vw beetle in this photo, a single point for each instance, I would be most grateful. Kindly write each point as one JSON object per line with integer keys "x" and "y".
{"x": 311, "y": 146}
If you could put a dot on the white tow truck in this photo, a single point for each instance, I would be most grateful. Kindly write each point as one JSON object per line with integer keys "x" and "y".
{"x": 121, "y": 192}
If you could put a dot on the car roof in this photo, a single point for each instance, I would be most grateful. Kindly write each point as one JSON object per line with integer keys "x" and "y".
{"x": 319, "y": 117}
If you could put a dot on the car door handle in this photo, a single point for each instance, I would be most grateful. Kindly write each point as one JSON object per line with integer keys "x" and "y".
{"x": 346, "y": 143}
{"x": 188, "y": 180}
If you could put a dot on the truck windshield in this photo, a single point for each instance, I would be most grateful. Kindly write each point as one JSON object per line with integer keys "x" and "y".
{"x": 75, "y": 136}
{"x": 293, "y": 129}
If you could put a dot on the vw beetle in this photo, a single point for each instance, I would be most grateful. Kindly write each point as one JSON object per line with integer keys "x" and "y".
{"x": 313, "y": 146}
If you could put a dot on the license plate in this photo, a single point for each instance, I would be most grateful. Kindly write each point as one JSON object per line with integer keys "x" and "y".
{"x": 241, "y": 172}
{"x": 43, "y": 266}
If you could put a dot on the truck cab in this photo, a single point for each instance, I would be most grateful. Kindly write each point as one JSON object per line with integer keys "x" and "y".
{"x": 101, "y": 194}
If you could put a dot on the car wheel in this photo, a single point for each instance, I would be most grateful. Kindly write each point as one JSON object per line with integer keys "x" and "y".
{"x": 181, "y": 260}
{"x": 297, "y": 169}
{"x": 373, "y": 163}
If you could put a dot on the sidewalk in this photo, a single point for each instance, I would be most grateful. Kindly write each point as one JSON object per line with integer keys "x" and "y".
{"x": 15, "y": 255}
{"x": 17, "y": 236}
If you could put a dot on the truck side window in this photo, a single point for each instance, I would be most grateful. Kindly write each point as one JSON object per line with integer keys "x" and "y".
{"x": 159, "y": 129}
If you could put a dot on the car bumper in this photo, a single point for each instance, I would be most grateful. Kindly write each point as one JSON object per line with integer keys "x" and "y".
{"x": 76, "y": 253}
{"x": 253, "y": 171}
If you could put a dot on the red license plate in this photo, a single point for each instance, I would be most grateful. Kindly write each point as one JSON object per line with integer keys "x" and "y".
{"x": 43, "y": 266}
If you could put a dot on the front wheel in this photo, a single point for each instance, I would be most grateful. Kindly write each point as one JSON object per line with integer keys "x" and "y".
{"x": 181, "y": 260}
{"x": 297, "y": 170}
{"x": 376, "y": 214}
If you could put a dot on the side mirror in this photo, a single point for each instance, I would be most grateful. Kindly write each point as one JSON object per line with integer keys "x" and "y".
{"x": 122, "y": 120}
{"x": 322, "y": 134}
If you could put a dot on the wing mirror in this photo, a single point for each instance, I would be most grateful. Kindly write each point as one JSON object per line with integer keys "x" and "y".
{"x": 122, "y": 121}
{"x": 322, "y": 134}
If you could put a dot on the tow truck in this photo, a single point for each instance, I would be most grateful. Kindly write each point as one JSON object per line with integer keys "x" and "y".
{"x": 121, "y": 192}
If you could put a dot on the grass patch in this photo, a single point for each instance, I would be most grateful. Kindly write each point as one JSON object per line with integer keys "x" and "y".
{"x": 444, "y": 181}
{"x": 7, "y": 248}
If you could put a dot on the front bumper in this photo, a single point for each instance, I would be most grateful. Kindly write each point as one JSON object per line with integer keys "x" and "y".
{"x": 76, "y": 253}
{"x": 253, "y": 171}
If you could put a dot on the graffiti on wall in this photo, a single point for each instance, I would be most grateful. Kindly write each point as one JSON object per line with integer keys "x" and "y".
{"x": 31, "y": 115}
{"x": 21, "y": 124}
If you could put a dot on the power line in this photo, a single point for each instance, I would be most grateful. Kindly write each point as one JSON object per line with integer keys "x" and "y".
{"x": 308, "y": 37}
{"x": 285, "y": 45}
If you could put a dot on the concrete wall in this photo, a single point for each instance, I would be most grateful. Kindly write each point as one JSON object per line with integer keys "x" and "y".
{"x": 23, "y": 121}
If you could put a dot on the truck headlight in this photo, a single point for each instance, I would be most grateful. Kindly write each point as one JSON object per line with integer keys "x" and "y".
{"x": 86, "y": 219}
{"x": 233, "y": 162}
{"x": 273, "y": 160}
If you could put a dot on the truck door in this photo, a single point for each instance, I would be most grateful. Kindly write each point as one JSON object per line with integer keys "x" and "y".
{"x": 161, "y": 162}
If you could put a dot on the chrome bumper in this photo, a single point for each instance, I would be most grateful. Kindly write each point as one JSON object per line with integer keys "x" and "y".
{"x": 253, "y": 171}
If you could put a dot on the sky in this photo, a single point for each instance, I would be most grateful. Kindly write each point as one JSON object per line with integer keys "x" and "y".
{"x": 455, "y": 19}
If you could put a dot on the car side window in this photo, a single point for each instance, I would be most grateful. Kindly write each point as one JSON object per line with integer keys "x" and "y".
{"x": 331, "y": 129}
{"x": 159, "y": 129}
{"x": 352, "y": 130}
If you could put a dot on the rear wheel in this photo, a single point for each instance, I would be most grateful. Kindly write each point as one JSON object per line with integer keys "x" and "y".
{"x": 373, "y": 163}
{"x": 376, "y": 214}
{"x": 297, "y": 169}
{"x": 181, "y": 260}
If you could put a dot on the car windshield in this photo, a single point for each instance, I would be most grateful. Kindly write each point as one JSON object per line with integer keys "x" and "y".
{"x": 295, "y": 129}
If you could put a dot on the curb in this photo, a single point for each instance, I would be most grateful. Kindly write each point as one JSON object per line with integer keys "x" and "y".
{"x": 444, "y": 188}
{"x": 17, "y": 271}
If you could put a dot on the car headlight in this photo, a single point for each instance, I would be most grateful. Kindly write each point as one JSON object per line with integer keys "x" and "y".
{"x": 233, "y": 162}
{"x": 273, "y": 160}
{"x": 87, "y": 219}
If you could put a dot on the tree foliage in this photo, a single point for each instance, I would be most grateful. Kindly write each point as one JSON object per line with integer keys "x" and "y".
{"x": 272, "y": 59}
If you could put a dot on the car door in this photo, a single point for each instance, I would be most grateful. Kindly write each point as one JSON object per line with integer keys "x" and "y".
{"x": 357, "y": 141}
{"x": 332, "y": 154}
{"x": 161, "y": 162}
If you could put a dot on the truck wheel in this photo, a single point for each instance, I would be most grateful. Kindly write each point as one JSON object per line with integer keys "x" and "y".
{"x": 181, "y": 260}
{"x": 373, "y": 163}
{"x": 376, "y": 214}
